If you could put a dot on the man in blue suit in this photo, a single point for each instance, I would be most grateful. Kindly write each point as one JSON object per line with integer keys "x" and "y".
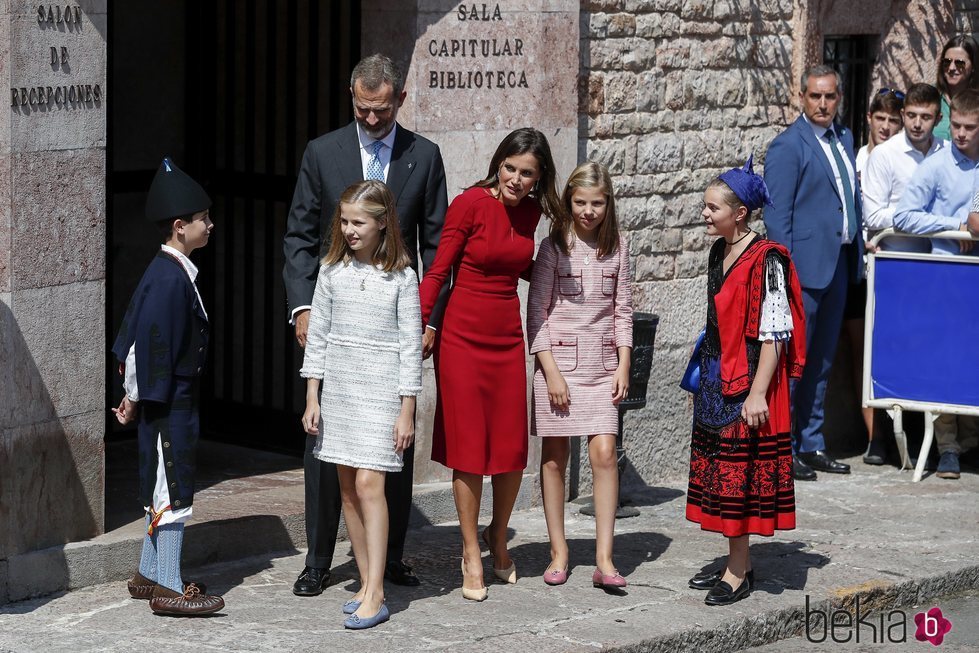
{"x": 811, "y": 173}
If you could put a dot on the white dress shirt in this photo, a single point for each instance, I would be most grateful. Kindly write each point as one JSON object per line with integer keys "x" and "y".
{"x": 367, "y": 150}
{"x": 888, "y": 172}
{"x": 820, "y": 133}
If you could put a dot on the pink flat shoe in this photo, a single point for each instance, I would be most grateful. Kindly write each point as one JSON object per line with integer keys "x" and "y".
{"x": 556, "y": 576}
{"x": 608, "y": 581}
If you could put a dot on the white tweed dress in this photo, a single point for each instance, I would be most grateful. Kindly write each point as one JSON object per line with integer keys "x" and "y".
{"x": 364, "y": 342}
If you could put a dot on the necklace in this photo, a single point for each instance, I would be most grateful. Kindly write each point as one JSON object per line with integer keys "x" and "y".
{"x": 575, "y": 240}
{"x": 367, "y": 273}
{"x": 735, "y": 242}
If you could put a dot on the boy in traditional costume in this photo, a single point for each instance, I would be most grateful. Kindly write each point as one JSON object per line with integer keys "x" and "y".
{"x": 161, "y": 349}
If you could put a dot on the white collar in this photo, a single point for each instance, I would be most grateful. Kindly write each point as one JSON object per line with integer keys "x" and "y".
{"x": 184, "y": 262}
{"x": 936, "y": 144}
{"x": 366, "y": 141}
{"x": 820, "y": 132}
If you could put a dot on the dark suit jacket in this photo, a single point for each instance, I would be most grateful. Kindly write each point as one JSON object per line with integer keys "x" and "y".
{"x": 807, "y": 216}
{"x": 332, "y": 163}
{"x": 168, "y": 325}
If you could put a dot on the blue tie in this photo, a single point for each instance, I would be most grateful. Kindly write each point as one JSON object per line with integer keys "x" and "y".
{"x": 374, "y": 169}
{"x": 851, "y": 209}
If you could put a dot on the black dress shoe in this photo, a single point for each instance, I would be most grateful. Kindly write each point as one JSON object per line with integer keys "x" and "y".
{"x": 722, "y": 594}
{"x": 399, "y": 573}
{"x": 706, "y": 580}
{"x": 819, "y": 460}
{"x": 876, "y": 452}
{"x": 311, "y": 582}
{"x": 802, "y": 471}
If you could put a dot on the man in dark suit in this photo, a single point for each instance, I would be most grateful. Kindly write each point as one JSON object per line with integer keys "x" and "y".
{"x": 373, "y": 146}
{"x": 811, "y": 173}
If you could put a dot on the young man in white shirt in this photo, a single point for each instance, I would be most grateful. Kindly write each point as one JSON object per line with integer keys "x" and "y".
{"x": 891, "y": 165}
{"x": 884, "y": 120}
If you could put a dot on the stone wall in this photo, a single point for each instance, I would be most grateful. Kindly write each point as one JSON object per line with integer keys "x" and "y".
{"x": 52, "y": 275}
{"x": 475, "y": 72}
{"x": 673, "y": 92}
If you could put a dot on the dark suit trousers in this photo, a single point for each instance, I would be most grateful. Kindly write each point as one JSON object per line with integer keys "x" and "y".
{"x": 323, "y": 507}
{"x": 824, "y": 318}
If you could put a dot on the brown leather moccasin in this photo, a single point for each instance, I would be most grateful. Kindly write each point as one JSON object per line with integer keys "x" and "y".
{"x": 141, "y": 587}
{"x": 191, "y": 603}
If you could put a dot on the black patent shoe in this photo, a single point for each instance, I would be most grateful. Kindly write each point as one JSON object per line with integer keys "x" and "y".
{"x": 820, "y": 461}
{"x": 311, "y": 582}
{"x": 801, "y": 471}
{"x": 706, "y": 580}
{"x": 399, "y": 573}
{"x": 722, "y": 594}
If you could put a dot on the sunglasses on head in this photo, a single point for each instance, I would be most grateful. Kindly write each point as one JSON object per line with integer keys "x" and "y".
{"x": 898, "y": 94}
{"x": 958, "y": 63}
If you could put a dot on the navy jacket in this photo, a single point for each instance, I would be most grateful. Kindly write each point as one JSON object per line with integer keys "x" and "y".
{"x": 169, "y": 327}
{"x": 807, "y": 216}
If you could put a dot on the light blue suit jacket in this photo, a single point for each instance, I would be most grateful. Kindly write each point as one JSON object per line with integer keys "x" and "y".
{"x": 807, "y": 216}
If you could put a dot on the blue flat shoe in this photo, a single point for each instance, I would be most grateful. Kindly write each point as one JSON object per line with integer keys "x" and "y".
{"x": 351, "y": 606}
{"x": 353, "y": 622}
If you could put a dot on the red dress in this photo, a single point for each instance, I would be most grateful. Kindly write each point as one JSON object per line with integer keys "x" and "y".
{"x": 741, "y": 478}
{"x": 480, "y": 365}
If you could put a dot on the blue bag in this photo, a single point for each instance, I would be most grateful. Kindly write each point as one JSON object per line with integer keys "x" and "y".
{"x": 691, "y": 378}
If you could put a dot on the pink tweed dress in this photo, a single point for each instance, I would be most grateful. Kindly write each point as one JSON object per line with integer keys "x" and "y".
{"x": 580, "y": 308}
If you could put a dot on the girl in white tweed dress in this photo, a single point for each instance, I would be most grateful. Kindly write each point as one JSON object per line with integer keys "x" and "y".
{"x": 579, "y": 324}
{"x": 364, "y": 344}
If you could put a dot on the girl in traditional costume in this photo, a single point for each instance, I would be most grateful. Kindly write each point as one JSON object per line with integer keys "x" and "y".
{"x": 741, "y": 452}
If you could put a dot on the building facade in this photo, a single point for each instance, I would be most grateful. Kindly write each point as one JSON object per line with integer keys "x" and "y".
{"x": 666, "y": 93}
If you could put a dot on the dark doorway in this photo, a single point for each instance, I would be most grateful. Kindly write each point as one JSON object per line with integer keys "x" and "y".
{"x": 232, "y": 90}
{"x": 853, "y": 57}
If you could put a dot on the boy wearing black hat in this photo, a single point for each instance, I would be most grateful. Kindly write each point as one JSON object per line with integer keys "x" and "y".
{"x": 161, "y": 349}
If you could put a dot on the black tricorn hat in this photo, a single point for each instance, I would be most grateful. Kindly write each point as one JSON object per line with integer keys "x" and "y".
{"x": 174, "y": 194}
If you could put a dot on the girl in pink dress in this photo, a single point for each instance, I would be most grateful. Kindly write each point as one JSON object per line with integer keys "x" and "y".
{"x": 579, "y": 323}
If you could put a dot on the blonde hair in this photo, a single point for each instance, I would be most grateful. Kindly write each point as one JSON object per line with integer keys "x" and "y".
{"x": 587, "y": 175}
{"x": 374, "y": 199}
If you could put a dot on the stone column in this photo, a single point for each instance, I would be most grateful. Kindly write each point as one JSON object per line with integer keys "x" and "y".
{"x": 475, "y": 72}
{"x": 52, "y": 279}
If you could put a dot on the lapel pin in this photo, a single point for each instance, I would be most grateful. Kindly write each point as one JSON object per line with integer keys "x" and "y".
{"x": 410, "y": 165}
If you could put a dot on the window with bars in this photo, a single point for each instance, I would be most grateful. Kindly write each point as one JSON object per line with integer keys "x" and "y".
{"x": 853, "y": 57}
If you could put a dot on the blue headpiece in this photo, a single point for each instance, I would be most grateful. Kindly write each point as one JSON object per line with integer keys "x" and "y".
{"x": 749, "y": 187}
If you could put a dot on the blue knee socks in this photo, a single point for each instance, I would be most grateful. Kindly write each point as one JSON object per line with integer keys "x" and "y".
{"x": 169, "y": 542}
{"x": 147, "y": 559}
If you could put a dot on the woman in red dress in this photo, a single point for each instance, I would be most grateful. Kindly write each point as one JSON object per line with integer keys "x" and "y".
{"x": 480, "y": 366}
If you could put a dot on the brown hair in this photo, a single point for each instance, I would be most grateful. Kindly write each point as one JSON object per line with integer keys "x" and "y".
{"x": 966, "y": 102}
{"x": 730, "y": 197}
{"x": 374, "y": 198}
{"x": 523, "y": 141}
{"x": 971, "y": 48}
{"x": 888, "y": 102}
{"x": 587, "y": 175}
{"x": 923, "y": 94}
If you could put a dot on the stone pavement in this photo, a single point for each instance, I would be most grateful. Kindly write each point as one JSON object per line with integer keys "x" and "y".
{"x": 872, "y": 534}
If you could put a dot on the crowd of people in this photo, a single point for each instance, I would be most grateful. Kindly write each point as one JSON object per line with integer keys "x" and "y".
{"x": 373, "y": 196}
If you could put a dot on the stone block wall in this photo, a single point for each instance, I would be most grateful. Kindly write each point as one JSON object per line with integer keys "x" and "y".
{"x": 673, "y": 92}
{"x": 52, "y": 274}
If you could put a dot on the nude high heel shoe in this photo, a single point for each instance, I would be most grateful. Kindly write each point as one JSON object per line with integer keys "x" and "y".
{"x": 508, "y": 575}
{"x": 472, "y": 595}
